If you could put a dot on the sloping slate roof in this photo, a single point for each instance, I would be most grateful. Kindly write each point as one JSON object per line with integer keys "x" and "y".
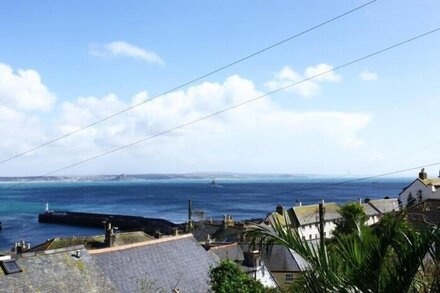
{"x": 383, "y": 205}
{"x": 201, "y": 232}
{"x": 282, "y": 259}
{"x": 54, "y": 271}
{"x": 283, "y": 219}
{"x": 92, "y": 242}
{"x": 309, "y": 214}
{"x": 230, "y": 251}
{"x": 217, "y": 233}
{"x": 163, "y": 264}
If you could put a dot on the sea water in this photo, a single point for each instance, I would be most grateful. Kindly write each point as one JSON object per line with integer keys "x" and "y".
{"x": 168, "y": 199}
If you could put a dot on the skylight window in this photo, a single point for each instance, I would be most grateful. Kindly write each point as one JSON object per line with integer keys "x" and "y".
{"x": 10, "y": 267}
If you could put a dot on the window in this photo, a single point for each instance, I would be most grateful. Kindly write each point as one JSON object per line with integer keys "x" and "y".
{"x": 310, "y": 236}
{"x": 288, "y": 278}
{"x": 10, "y": 267}
{"x": 316, "y": 236}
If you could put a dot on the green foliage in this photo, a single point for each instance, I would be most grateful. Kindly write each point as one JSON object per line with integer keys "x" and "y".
{"x": 386, "y": 258}
{"x": 227, "y": 277}
{"x": 353, "y": 219}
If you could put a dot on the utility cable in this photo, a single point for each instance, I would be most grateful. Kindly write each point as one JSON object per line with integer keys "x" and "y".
{"x": 363, "y": 178}
{"x": 250, "y": 101}
{"x": 187, "y": 83}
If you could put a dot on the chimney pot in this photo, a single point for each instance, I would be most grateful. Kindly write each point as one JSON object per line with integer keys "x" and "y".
{"x": 423, "y": 175}
{"x": 280, "y": 209}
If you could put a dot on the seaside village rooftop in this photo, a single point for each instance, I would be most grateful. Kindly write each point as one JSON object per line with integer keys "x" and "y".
{"x": 178, "y": 258}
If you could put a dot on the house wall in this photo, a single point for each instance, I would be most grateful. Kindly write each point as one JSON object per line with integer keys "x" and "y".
{"x": 427, "y": 191}
{"x": 372, "y": 220}
{"x": 280, "y": 277}
{"x": 264, "y": 276}
{"x": 311, "y": 231}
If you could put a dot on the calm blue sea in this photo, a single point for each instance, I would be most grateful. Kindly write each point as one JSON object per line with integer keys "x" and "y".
{"x": 244, "y": 198}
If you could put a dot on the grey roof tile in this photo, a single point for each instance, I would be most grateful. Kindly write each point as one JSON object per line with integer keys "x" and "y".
{"x": 56, "y": 272}
{"x": 229, "y": 251}
{"x": 175, "y": 262}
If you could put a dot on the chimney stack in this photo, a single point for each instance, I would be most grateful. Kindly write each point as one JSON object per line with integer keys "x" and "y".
{"x": 21, "y": 246}
{"x": 280, "y": 209}
{"x": 251, "y": 258}
{"x": 109, "y": 237}
{"x": 423, "y": 175}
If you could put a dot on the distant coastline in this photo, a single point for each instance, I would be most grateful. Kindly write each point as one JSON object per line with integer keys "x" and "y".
{"x": 177, "y": 176}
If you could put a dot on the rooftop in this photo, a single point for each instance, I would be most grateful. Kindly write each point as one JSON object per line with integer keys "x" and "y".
{"x": 231, "y": 251}
{"x": 169, "y": 263}
{"x": 61, "y": 270}
{"x": 308, "y": 214}
{"x": 431, "y": 181}
{"x": 93, "y": 242}
{"x": 380, "y": 206}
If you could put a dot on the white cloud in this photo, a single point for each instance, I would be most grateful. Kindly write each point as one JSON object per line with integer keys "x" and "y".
{"x": 288, "y": 76}
{"x": 24, "y": 90}
{"x": 259, "y": 137}
{"x": 124, "y": 49}
{"x": 324, "y": 71}
{"x": 368, "y": 76}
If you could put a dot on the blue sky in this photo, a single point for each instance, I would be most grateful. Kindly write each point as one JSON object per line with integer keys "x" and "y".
{"x": 336, "y": 126}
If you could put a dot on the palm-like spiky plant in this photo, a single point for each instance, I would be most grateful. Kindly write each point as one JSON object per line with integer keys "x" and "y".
{"x": 386, "y": 258}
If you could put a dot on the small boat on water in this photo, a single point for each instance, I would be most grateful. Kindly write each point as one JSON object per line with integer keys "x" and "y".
{"x": 215, "y": 184}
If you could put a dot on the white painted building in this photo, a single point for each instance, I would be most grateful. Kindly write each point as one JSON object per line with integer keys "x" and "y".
{"x": 375, "y": 208}
{"x": 306, "y": 220}
{"x": 420, "y": 189}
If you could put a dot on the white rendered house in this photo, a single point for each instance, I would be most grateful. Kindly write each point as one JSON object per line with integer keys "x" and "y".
{"x": 420, "y": 189}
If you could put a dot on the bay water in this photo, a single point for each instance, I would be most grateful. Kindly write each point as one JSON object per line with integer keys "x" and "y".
{"x": 242, "y": 198}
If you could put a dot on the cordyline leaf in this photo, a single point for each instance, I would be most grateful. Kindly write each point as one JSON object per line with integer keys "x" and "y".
{"x": 386, "y": 258}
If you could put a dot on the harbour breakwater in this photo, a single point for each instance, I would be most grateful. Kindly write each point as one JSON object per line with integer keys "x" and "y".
{"x": 124, "y": 223}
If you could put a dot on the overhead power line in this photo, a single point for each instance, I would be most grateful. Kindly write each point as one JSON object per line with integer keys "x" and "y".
{"x": 355, "y": 180}
{"x": 242, "y": 104}
{"x": 187, "y": 83}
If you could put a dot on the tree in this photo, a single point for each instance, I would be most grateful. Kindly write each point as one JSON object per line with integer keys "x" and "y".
{"x": 386, "y": 258}
{"x": 227, "y": 277}
{"x": 353, "y": 218}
